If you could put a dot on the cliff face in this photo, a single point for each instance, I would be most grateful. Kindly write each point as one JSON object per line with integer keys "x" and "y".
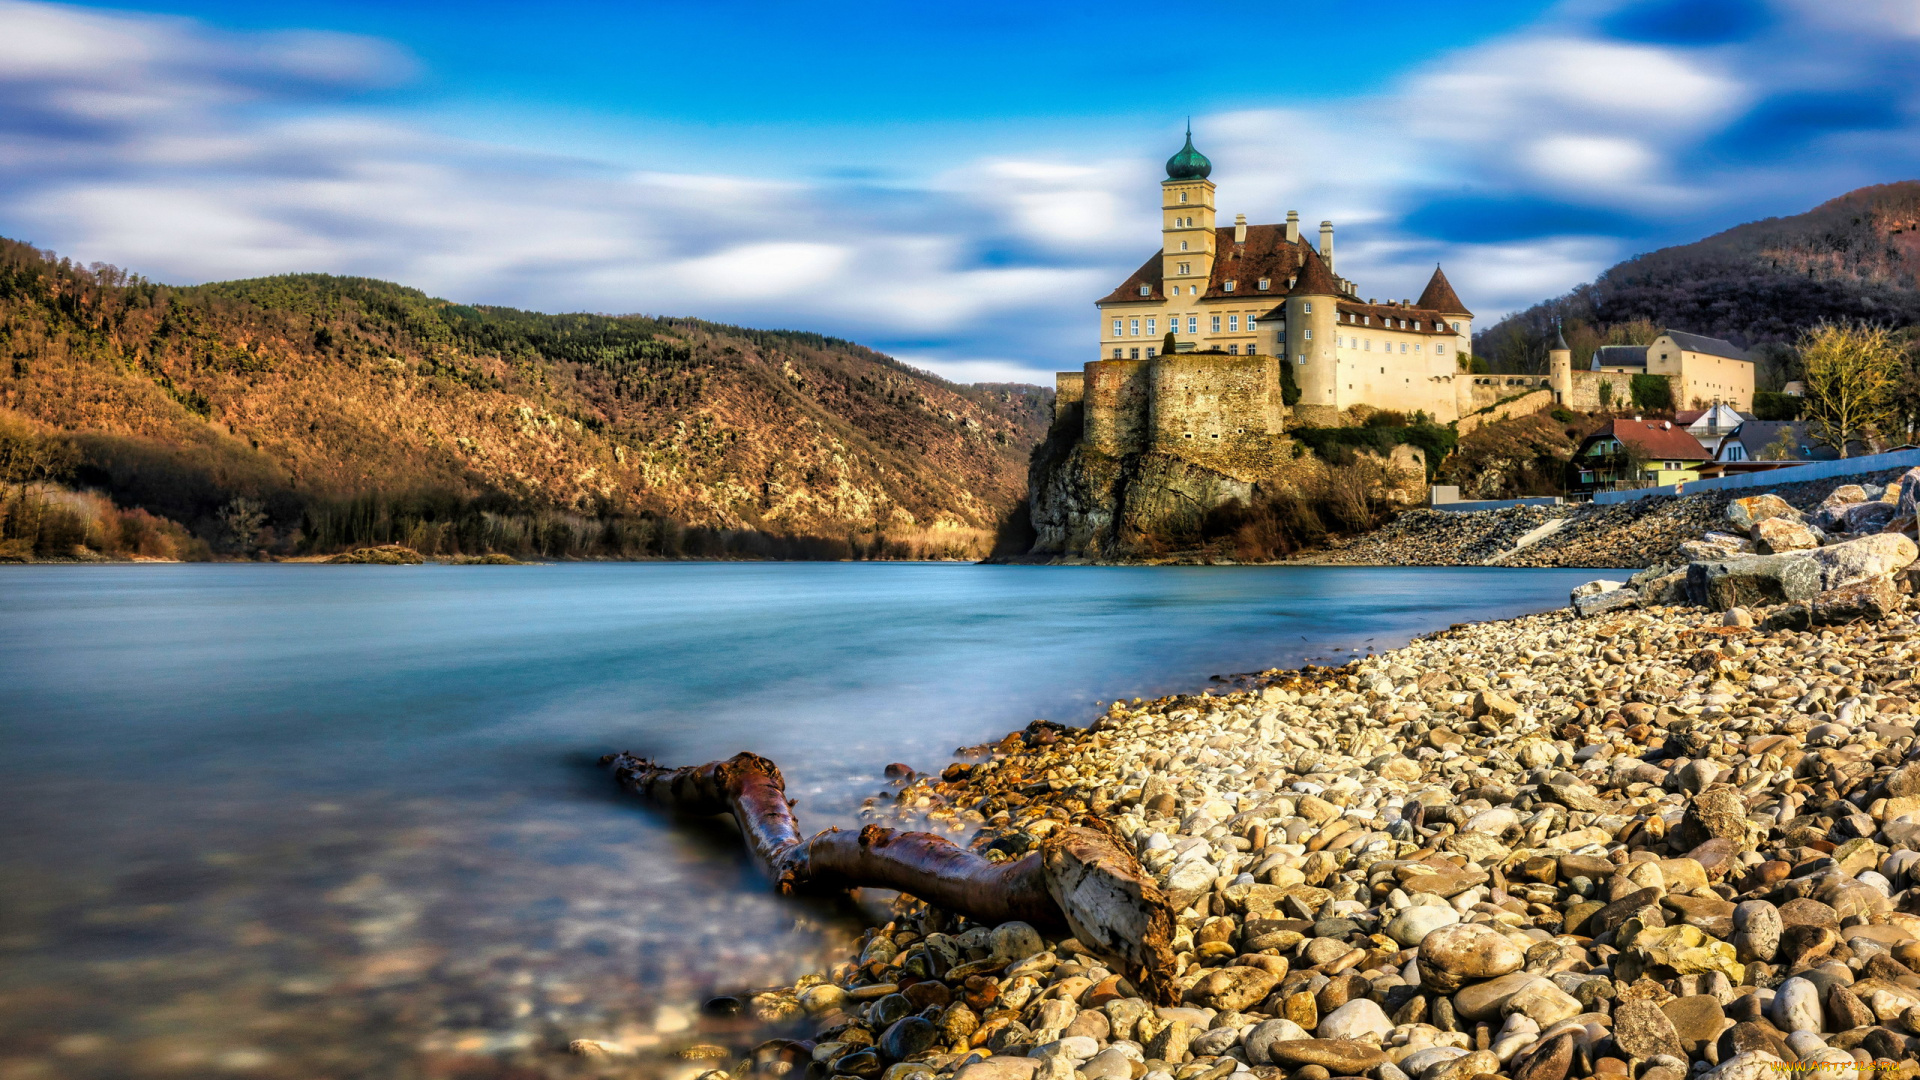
{"x": 310, "y": 393}
{"x": 1085, "y": 504}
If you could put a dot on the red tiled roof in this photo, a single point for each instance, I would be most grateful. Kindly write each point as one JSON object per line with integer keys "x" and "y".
{"x": 1428, "y": 320}
{"x": 1439, "y": 296}
{"x": 1660, "y": 439}
{"x": 1265, "y": 254}
{"x": 1315, "y": 279}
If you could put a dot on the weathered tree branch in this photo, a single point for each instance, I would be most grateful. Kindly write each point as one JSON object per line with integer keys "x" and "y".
{"x": 1083, "y": 879}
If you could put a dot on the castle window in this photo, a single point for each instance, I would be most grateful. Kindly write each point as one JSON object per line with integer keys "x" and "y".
{"x": 1456, "y": 327}
{"x": 1309, "y": 335}
{"x": 1229, "y": 287}
{"x": 1264, "y": 282}
{"x": 1193, "y": 324}
{"x": 1116, "y": 328}
{"x": 1233, "y": 350}
{"x": 1185, "y": 268}
{"x": 1133, "y": 354}
{"x": 1252, "y": 348}
{"x": 1149, "y": 352}
{"x": 1183, "y": 247}
{"x": 1183, "y": 196}
{"x": 1233, "y": 324}
{"x": 1403, "y": 348}
{"x": 1118, "y": 353}
{"x": 1366, "y": 320}
{"x": 1307, "y": 307}
{"x": 1134, "y": 325}
{"x": 1216, "y": 324}
{"x": 1368, "y": 346}
{"x": 1146, "y": 290}
{"x": 1151, "y": 328}
{"x": 1299, "y": 358}
{"x": 1440, "y": 350}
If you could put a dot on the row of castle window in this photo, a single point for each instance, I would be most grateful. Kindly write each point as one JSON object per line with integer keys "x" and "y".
{"x": 1132, "y": 328}
{"x": 1134, "y": 354}
{"x": 1366, "y": 345}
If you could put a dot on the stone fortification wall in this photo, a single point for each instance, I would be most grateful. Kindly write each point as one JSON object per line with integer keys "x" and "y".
{"x": 1586, "y": 390}
{"x": 1213, "y": 409}
{"x": 1069, "y": 389}
{"x": 1118, "y": 395}
{"x": 1524, "y": 405}
{"x": 1489, "y": 389}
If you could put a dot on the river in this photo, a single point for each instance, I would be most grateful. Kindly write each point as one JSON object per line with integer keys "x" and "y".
{"x": 303, "y": 821}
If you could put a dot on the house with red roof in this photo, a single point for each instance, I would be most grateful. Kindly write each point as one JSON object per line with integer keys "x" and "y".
{"x": 1636, "y": 453}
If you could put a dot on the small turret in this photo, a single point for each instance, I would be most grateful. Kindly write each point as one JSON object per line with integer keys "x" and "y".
{"x": 1560, "y": 366}
{"x": 1312, "y": 320}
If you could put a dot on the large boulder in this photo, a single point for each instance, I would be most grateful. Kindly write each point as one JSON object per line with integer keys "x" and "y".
{"x": 1858, "y": 560}
{"x": 1744, "y": 514}
{"x": 1715, "y": 545}
{"x": 1867, "y": 517}
{"x": 1614, "y": 599}
{"x": 1777, "y": 535}
{"x": 1665, "y": 589}
{"x": 1906, "y": 501}
{"x": 1872, "y": 600}
{"x": 1753, "y": 581}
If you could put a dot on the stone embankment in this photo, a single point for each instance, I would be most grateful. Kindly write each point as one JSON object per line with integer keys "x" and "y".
{"x": 1635, "y": 534}
{"x": 1651, "y": 840}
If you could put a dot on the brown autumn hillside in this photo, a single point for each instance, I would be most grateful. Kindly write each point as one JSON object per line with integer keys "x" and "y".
{"x": 354, "y": 411}
{"x": 1855, "y": 257}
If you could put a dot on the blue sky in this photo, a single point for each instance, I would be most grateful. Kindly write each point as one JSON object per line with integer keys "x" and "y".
{"x": 954, "y": 184}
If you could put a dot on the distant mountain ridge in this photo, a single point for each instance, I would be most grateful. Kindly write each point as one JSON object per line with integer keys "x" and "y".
{"x": 330, "y": 399}
{"x": 1853, "y": 257}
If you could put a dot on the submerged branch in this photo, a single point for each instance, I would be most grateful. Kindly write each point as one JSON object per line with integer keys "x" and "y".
{"x": 1083, "y": 879}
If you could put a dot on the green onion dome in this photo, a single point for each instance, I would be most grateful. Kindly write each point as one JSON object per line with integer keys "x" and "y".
{"x": 1188, "y": 164}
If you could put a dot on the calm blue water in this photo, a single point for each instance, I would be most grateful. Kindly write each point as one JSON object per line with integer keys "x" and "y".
{"x": 359, "y": 801}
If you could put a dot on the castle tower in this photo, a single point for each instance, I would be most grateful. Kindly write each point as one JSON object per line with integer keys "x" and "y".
{"x": 1560, "y": 366}
{"x": 1186, "y": 226}
{"x": 1439, "y": 296}
{"x": 1311, "y": 339}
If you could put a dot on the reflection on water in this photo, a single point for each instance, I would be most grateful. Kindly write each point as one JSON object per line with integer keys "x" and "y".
{"x": 295, "y": 821}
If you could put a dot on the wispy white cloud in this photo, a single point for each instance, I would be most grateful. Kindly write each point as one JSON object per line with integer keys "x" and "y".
{"x": 1526, "y": 163}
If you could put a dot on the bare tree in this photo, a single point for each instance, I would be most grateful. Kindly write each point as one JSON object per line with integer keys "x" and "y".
{"x": 1781, "y": 448}
{"x": 1851, "y": 373}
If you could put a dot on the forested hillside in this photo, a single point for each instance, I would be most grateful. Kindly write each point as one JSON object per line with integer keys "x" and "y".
{"x": 1757, "y": 285}
{"x": 307, "y": 413}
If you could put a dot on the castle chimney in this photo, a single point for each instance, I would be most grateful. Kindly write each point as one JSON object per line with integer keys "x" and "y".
{"x": 1239, "y": 228}
{"x": 1293, "y": 226}
{"x": 1326, "y": 244}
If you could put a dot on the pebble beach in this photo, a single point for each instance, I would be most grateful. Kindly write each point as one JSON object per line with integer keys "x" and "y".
{"x": 1669, "y": 831}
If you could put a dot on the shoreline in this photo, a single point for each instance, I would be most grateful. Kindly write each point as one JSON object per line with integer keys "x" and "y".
{"x": 1638, "y": 843}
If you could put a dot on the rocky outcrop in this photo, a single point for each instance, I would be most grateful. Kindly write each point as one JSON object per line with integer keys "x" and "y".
{"x": 1088, "y": 505}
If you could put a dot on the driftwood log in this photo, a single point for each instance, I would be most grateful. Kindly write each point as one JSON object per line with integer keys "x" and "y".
{"x": 1083, "y": 879}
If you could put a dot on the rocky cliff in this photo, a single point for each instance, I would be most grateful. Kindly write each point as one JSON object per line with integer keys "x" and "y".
{"x": 1089, "y": 505}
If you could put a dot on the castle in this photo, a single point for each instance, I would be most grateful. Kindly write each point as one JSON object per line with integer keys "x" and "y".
{"x": 1238, "y": 303}
{"x": 1201, "y": 346}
